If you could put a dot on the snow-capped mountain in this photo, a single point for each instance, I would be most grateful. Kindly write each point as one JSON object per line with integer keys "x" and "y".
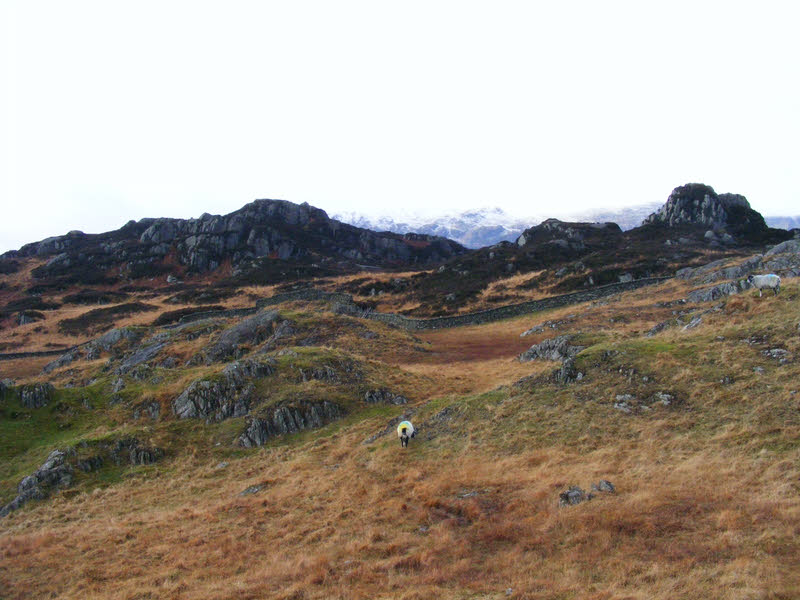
{"x": 482, "y": 227}
{"x": 783, "y": 222}
{"x": 472, "y": 228}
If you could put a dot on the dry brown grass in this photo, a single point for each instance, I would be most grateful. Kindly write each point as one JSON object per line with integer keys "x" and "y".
{"x": 338, "y": 521}
{"x": 707, "y": 502}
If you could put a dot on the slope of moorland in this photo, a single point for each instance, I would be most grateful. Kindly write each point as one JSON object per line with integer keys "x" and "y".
{"x": 255, "y": 456}
{"x": 278, "y": 244}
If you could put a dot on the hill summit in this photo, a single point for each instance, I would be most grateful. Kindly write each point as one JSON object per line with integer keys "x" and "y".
{"x": 699, "y": 204}
{"x": 247, "y": 241}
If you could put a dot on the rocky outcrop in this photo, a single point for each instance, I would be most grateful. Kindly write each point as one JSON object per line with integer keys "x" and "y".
{"x": 289, "y": 418}
{"x": 283, "y": 331}
{"x": 551, "y": 324}
{"x": 718, "y": 291}
{"x": 36, "y": 395}
{"x": 59, "y": 468}
{"x": 264, "y": 229}
{"x": 383, "y": 396}
{"x": 54, "y": 473}
{"x": 721, "y": 270}
{"x": 92, "y": 350}
{"x": 229, "y": 394}
{"x": 575, "y": 494}
{"x": 130, "y": 451}
{"x": 699, "y": 204}
{"x": 569, "y": 237}
{"x": 150, "y": 409}
{"x": 782, "y": 259}
{"x": 140, "y": 356}
{"x": 6, "y": 387}
{"x": 249, "y": 333}
{"x": 566, "y": 373}
{"x": 557, "y": 348}
{"x": 787, "y": 247}
{"x": 62, "y": 361}
{"x": 322, "y": 373}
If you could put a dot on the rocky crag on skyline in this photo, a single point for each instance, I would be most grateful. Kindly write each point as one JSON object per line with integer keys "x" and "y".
{"x": 699, "y": 204}
{"x": 487, "y": 226}
{"x": 276, "y": 241}
{"x": 263, "y": 229}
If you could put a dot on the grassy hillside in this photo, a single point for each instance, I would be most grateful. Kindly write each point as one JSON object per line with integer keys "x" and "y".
{"x": 698, "y": 429}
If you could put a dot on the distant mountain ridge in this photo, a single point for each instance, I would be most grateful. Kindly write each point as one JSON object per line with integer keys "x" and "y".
{"x": 481, "y": 227}
{"x": 276, "y": 241}
{"x": 783, "y": 222}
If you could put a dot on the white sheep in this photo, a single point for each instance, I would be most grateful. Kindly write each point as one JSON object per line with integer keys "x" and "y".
{"x": 405, "y": 431}
{"x": 762, "y": 282}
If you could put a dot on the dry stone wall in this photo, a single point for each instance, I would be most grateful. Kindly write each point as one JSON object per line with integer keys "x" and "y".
{"x": 400, "y": 321}
{"x": 475, "y": 318}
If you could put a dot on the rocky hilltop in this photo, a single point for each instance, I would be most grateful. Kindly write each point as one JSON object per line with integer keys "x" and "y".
{"x": 699, "y": 204}
{"x": 569, "y": 236}
{"x": 247, "y": 239}
{"x": 694, "y": 225}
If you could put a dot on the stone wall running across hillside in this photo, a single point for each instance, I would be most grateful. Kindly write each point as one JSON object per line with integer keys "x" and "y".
{"x": 474, "y": 318}
{"x": 400, "y": 321}
{"x": 17, "y": 355}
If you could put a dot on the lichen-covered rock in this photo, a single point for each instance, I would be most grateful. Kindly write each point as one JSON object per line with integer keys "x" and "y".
{"x": 6, "y": 386}
{"x": 110, "y": 339}
{"x": 574, "y": 495}
{"x": 130, "y": 451}
{"x": 139, "y": 356}
{"x": 695, "y": 322}
{"x": 118, "y": 385}
{"x": 241, "y": 370}
{"x": 229, "y": 394}
{"x": 604, "y": 485}
{"x": 149, "y": 409}
{"x": 624, "y": 402}
{"x": 55, "y": 472}
{"x": 283, "y": 330}
{"x": 36, "y": 395}
{"x": 567, "y": 373}
{"x": 253, "y": 489}
{"x": 289, "y": 418}
{"x": 62, "y": 361}
{"x": 92, "y": 350}
{"x": 321, "y": 373}
{"x": 664, "y": 398}
{"x": 789, "y": 246}
{"x": 213, "y": 400}
{"x": 251, "y": 331}
{"x": 658, "y": 328}
{"x": 557, "y": 348}
{"x": 384, "y": 396}
{"x": 718, "y": 291}
{"x": 92, "y": 463}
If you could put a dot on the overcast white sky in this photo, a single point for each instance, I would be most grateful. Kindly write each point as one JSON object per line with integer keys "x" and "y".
{"x": 113, "y": 111}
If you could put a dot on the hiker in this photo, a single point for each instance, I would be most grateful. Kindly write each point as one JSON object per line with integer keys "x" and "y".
{"x": 405, "y": 431}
